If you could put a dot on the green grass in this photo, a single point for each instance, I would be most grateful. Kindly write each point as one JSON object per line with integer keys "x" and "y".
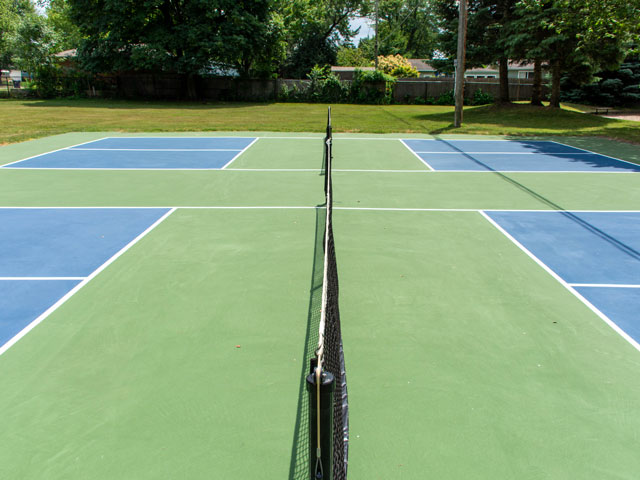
{"x": 27, "y": 119}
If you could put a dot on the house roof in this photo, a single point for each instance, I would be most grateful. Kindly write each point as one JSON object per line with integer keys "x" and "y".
{"x": 67, "y": 53}
{"x": 350, "y": 69}
{"x": 420, "y": 65}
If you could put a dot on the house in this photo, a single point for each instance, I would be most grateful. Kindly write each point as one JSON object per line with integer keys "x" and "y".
{"x": 425, "y": 70}
{"x": 346, "y": 73}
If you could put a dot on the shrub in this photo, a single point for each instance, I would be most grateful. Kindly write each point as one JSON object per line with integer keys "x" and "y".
{"x": 612, "y": 88}
{"x": 447, "y": 98}
{"x": 51, "y": 81}
{"x": 397, "y": 66}
{"x": 371, "y": 86}
{"x": 481, "y": 98}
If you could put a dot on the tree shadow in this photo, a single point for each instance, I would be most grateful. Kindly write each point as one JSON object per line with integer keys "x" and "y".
{"x": 124, "y": 104}
{"x": 623, "y": 247}
{"x": 520, "y": 116}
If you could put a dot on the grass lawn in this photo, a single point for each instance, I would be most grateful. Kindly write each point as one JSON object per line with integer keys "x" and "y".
{"x": 27, "y": 119}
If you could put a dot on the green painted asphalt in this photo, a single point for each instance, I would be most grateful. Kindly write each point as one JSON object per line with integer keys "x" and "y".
{"x": 138, "y": 376}
{"x": 464, "y": 358}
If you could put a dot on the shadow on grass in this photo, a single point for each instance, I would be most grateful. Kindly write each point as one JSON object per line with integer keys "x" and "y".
{"x": 122, "y": 104}
{"x": 520, "y": 116}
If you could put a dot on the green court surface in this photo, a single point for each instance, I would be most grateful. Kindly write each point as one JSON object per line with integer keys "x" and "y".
{"x": 184, "y": 358}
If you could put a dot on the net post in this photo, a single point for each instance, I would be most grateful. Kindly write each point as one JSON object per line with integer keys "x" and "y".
{"x": 328, "y": 141}
{"x": 324, "y": 470}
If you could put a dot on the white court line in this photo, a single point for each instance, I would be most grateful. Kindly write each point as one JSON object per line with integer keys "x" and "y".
{"x": 239, "y": 153}
{"x": 510, "y": 153}
{"x": 52, "y": 151}
{"x": 595, "y": 310}
{"x": 183, "y": 138}
{"x": 118, "y": 169}
{"x": 481, "y": 140}
{"x": 603, "y": 285}
{"x": 298, "y": 207}
{"x": 625, "y": 172}
{"x": 41, "y": 278}
{"x": 417, "y": 156}
{"x": 75, "y": 289}
{"x": 596, "y": 153}
{"x": 156, "y": 149}
{"x": 219, "y": 169}
{"x": 317, "y": 170}
{"x": 302, "y": 207}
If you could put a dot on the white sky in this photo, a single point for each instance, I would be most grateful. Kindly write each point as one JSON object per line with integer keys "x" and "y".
{"x": 366, "y": 28}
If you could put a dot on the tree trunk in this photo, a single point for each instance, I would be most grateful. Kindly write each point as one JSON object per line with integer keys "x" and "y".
{"x": 192, "y": 93}
{"x": 504, "y": 80}
{"x": 556, "y": 73}
{"x": 536, "y": 91}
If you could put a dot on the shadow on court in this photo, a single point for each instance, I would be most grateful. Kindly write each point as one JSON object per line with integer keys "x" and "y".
{"x": 623, "y": 247}
{"x": 299, "y": 468}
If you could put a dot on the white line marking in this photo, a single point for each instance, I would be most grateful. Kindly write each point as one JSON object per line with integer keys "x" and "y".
{"x": 212, "y": 169}
{"x": 232, "y": 207}
{"x": 606, "y": 319}
{"x": 156, "y": 149}
{"x": 417, "y": 156}
{"x": 184, "y": 138}
{"x": 546, "y": 154}
{"x": 391, "y": 209}
{"x": 626, "y": 172}
{"x": 596, "y": 153}
{"x": 41, "y": 278}
{"x": 317, "y": 170}
{"x": 75, "y": 289}
{"x": 603, "y": 285}
{"x": 52, "y": 151}
{"x": 239, "y": 153}
{"x": 118, "y": 169}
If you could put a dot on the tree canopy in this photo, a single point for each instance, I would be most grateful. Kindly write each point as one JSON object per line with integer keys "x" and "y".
{"x": 573, "y": 39}
{"x": 187, "y": 36}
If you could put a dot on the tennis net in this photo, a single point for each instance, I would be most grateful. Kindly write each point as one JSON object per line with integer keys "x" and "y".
{"x": 327, "y": 381}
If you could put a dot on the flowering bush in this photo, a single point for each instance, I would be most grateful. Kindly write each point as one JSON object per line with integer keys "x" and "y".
{"x": 396, "y": 66}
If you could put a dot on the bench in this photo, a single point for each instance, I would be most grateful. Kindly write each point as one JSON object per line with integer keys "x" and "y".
{"x": 601, "y": 110}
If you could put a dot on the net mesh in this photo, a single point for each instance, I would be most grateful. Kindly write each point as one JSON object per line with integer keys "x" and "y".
{"x": 330, "y": 350}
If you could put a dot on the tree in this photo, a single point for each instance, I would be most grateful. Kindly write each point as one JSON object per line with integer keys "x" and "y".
{"x": 349, "y": 56}
{"x": 486, "y": 35}
{"x": 405, "y": 27}
{"x": 26, "y": 39}
{"x": 186, "y": 36}
{"x": 576, "y": 37}
{"x": 9, "y": 22}
{"x": 315, "y": 30}
{"x": 66, "y": 32}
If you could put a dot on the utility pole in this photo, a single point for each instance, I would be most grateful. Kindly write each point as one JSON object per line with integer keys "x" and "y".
{"x": 459, "y": 63}
{"x": 376, "y": 42}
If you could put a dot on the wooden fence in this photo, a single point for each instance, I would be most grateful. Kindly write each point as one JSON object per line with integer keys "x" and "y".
{"x": 176, "y": 86}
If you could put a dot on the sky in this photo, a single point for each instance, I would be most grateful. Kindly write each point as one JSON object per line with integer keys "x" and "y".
{"x": 366, "y": 28}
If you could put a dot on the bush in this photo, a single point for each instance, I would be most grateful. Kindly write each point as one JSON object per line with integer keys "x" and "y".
{"x": 51, "y": 81}
{"x": 481, "y": 98}
{"x": 613, "y": 88}
{"x": 371, "y": 86}
{"x": 447, "y": 98}
{"x": 397, "y": 66}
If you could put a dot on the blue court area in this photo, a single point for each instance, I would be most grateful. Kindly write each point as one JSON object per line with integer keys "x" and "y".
{"x": 143, "y": 153}
{"x": 45, "y": 253}
{"x": 516, "y": 156}
{"x": 597, "y": 253}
